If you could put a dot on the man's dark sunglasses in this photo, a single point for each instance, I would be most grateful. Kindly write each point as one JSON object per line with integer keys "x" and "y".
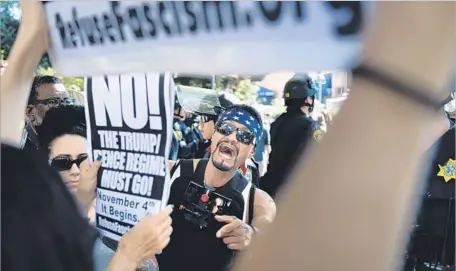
{"x": 206, "y": 118}
{"x": 62, "y": 163}
{"x": 243, "y": 136}
{"x": 52, "y": 102}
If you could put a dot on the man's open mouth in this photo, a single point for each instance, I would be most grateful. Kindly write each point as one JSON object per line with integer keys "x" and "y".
{"x": 227, "y": 151}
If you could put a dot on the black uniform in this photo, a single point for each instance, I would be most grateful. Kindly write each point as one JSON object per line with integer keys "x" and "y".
{"x": 30, "y": 140}
{"x": 174, "y": 151}
{"x": 432, "y": 242}
{"x": 187, "y": 135}
{"x": 195, "y": 248}
{"x": 202, "y": 149}
{"x": 290, "y": 134}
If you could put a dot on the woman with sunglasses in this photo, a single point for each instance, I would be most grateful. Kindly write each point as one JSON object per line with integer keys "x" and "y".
{"x": 41, "y": 226}
{"x": 63, "y": 136}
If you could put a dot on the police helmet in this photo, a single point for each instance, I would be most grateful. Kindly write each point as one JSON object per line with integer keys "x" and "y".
{"x": 226, "y": 100}
{"x": 299, "y": 87}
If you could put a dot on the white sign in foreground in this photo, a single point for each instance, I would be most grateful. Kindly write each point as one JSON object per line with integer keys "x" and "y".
{"x": 207, "y": 37}
{"x": 129, "y": 121}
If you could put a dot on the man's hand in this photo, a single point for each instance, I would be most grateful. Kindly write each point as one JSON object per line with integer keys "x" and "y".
{"x": 237, "y": 235}
{"x": 33, "y": 25}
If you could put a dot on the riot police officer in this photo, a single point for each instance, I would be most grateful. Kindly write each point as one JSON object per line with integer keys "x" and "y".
{"x": 188, "y": 144}
{"x": 291, "y": 132}
{"x": 207, "y": 120}
{"x": 432, "y": 245}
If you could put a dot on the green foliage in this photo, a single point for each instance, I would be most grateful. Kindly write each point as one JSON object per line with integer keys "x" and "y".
{"x": 245, "y": 90}
{"x": 194, "y": 81}
{"x": 9, "y": 26}
{"x": 76, "y": 83}
{"x": 225, "y": 82}
{"x": 218, "y": 83}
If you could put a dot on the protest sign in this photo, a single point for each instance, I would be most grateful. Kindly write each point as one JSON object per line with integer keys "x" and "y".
{"x": 204, "y": 37}
{"x": 129, "y": 121}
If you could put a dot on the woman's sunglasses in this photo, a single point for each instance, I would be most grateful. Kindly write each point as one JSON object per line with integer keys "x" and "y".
{"x": 62, "y": 163}
{"x": 242, "y": 135}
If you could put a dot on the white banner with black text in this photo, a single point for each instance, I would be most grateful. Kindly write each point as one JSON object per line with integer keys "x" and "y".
{"x": 129, "y": 121}
{"x": 205, "y": 37}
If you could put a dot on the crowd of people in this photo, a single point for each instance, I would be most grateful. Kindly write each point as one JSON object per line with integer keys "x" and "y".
{"x": 216, "y": 150}
{"x": 234, "y": 153}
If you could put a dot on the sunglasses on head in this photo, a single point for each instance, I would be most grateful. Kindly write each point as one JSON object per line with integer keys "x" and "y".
{"x": 62, "y": 163}
{"x": 243, "y": 136}
{"x": 52, "y": 102}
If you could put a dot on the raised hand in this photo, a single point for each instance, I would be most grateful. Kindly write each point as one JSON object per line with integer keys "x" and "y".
{"x": 31, "y": 43}
{"x": 33, "y": 23}
{"x": 146, "y": 238}
{"x": 88, "y": 181}
{"x": 236, "y": 234}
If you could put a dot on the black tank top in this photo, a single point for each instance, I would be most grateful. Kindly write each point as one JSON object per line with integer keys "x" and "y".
{"x": 194, "y": 248}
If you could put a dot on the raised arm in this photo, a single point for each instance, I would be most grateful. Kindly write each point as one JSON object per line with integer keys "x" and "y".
{"x": 30, "y": 45}
{"x": 359, "y": 210}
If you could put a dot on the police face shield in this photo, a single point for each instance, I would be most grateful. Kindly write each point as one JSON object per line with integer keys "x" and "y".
{"x": 199, "y": 101}
{"x": 450, "y": 106}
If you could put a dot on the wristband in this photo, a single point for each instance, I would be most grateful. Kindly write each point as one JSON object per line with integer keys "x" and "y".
{"x": 420, "y": 96}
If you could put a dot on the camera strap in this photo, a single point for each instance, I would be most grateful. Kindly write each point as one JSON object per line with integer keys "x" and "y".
{"x": 198, "y": 176}
{"x": 186, "y": 168}
{"x": 239, "y": 183}
{"x": 251, "y": 202}
{"x": 175, "y": 166}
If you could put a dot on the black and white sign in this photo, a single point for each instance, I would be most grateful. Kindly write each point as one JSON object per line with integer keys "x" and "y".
{"x": 206, "y": 37}
{"x": 128, "y": 119}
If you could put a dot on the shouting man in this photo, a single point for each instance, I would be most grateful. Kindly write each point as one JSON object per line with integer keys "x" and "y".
{"x": 249, "y": 169}
{"x": 219, "y": 211}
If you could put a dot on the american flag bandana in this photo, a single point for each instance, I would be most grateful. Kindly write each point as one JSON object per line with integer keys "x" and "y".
{"x": 245, "y": 118}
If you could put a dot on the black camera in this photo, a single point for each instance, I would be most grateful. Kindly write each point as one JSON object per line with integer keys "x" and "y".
{"x": 201, "y": 203}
